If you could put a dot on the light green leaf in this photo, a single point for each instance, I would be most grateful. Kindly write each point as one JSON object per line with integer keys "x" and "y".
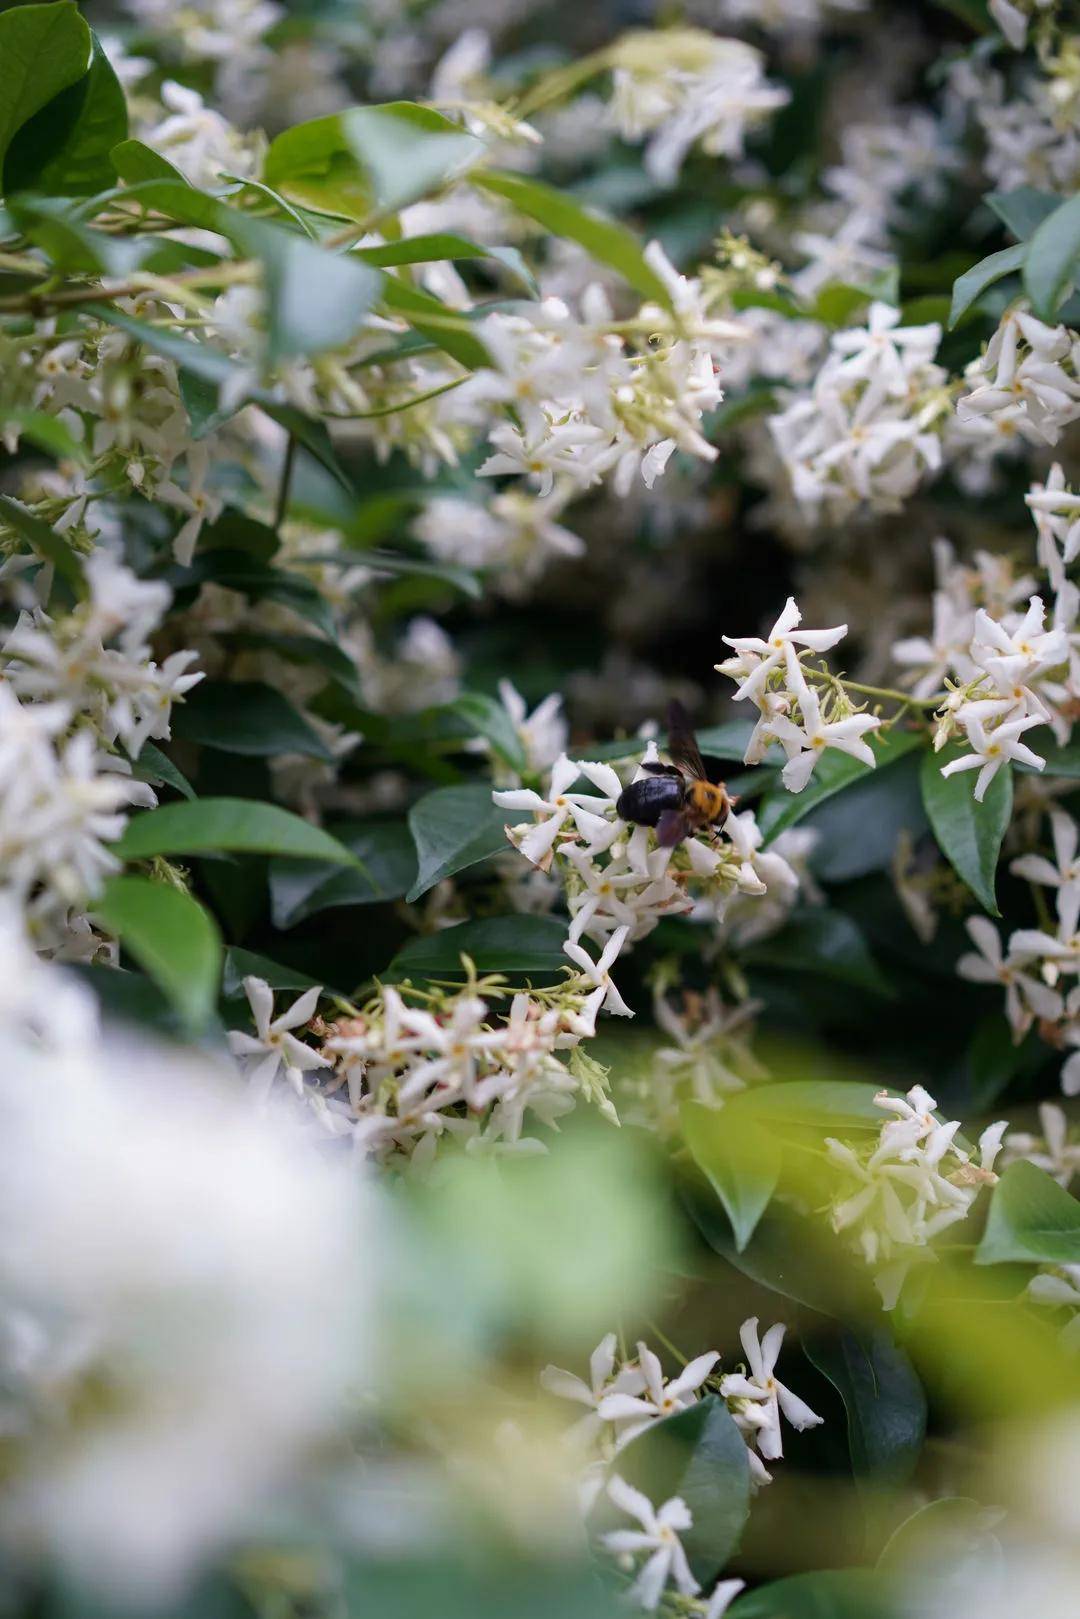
{"x": 246, "y": 717}
{"x": 883, "y": 1399}
{"x": 397, "y": 562}
{"x": 1052, "y": 261}
{"x": 43, "y": 50}
{"x": 369, "y": 160}
{"x": 740, "y": 1160}
{"x": 442, "y": 245}
{"x": 602, "y": 238}
{"x": 484, "y": 716}
{"x": 835, "y": 772}
{"x": 828, "y": 1105}
{"x": 447, "y": 328}
{"x": 842, "y": 1593}
{"x": 1031, "y": 1218}
{"x": 63, "y": 151}
{"x": 316, "y": 299}
{"x": 969, "y": 834}
{"x": 1022, "y": 211}
{"x": 506, "y": 944}
{"x": 950, "y": 1537}
{"x": 303, "y": 888}
{"x": 700, "y": 1455}
{"x": 416, "y": 1588}
{"x": 48, "y": 433}
{"x": 454, "y": 827}
{"x": 824, "y": 942}
{"x": 171, "y": 936}
{"x": 970, "y": 286}
{"x": 236, "y": 825}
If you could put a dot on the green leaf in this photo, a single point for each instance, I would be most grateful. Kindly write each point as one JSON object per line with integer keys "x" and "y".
{"x": 453, "y": 828}
{"x": 883, "y": 1399}
{"x": 484, "y": 716}
{"x": 602, "y": 238}
{"x": 63, "y": 151}
{"x": 316, "y": 299}
{"x": 71, "y": 245}
{"x": 171, "y": 936}
{"x": 835, "y": 772}
{"x": 969, "y": 834}
{"x": 246, "y": 717}
{"x": 441, "y": 245}
{"x": 241, "y": 964}
{"x": 133, "y": 161}
{"x": 50, "y": 546}
{"x": 740, "y": 1160}
{"x": 303, "y": 888}
{"x": 949, "y": 1536}
{"x": 447, "y": 328}
{"x": 1031, "y": 1218}
{"x": 397, "y": 563}
{"x": 419, "y": 1588}
{"x": 1062, "y": 759}
{"x": 236, "y": 825}
{"x": 827, "y": 1105}
{"x": 369, "y": 160}
{"x": 700, "y": 1455}
{"x": 843, "y": 1593}
{"x": 974, "y": 282}
{"x": 48, "y": 433}
{"x": 43, "y": 50}
{"x": 1051, "y": 264}
{"x": 824, "y": 942}
{"x": 244, "y": 572}
{"x": 1022, "y": 211}
{"x": 156, "y": 768}
{"x": 506, "y": 944}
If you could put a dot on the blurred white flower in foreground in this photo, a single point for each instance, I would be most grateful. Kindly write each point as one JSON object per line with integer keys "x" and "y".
{"x": 195, "y": 1268}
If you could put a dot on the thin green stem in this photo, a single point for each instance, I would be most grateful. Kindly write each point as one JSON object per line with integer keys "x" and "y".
{"x": 283, "y": 486}
{"x": 888, "y": 694}
{"x": 666, "y": 1341}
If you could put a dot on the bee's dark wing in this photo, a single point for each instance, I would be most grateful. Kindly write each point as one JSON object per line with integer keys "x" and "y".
{"x": 654, "y": 768}
{"x": 671, "y": 828}
{"x": 715, "y": 769}
{"x": 682, "y": 743}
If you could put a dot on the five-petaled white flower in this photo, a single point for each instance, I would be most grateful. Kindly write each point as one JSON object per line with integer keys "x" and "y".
{"x": 659, "y": 1399}
{"x": 537, "y": 841}
{"x": 658, "y": 1537}
{"x": 273, "y": 1046}
{"x": 603, "y": 1381}
{"x": 760, "y": 1397}
{"x": 757, "y": 656}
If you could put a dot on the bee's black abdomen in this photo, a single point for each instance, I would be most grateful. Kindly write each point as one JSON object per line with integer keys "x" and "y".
{"x": 644, "y": 801}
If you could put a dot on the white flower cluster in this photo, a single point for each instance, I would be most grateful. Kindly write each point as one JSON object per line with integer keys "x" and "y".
{"x": 1027, "y": 381}
{"x": 708, "y": 1056}
{"x": 619, "y": 881}
{"x": 590, "y": 402}
{"x": 914, "y": 1184}
{"x": 1056, "y": 1150}
{"x": 395, "y": 1076}
{"x": 1014, "y": 19}
{"x": 772, "y": 677}
{"x": 195, "y": 1260}
{"x": 624, "y": 1399}
{"x": 868, "y": 430}
{"x": 1035, "y": 968}
{"x": 788, "y": 16}
{"x": 689, "y": 89}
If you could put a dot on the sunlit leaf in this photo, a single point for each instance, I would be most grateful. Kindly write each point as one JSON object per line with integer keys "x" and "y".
{"x": 172, "y": 938}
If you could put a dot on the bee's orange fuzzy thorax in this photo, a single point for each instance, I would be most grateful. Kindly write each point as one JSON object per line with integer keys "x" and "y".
{"x": 708, "y": 801}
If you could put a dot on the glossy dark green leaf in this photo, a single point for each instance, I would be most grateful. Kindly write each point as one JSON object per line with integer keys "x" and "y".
{"x": 369, "y": 160}
{"x": 399, "y": 564}
{"x": 700, "y": 1455}
{"x": 241, "y": 964}
{"x": 969, "y": 287}
{"x": 447, "y": 328}
{"x": 883, "y": 1399}
{"x": 484, "y": 716}
{"x": 1031, "y": 1218}
{"x": 246, "y": 717}
{"x": 238, "y": 825}
{"x": 134, "y": 161}
{"x": 171, "y": 936}
{"x": 969, "y": 834}
{"x": 43, "y": 50}
{"x": 497, "y": 1589}
{"x": 303, "y": 888}
{"x": 508, "y": 944}
{"x": 825, "y": 943}
{"x": 602, "y": 238}
{"x": 1053, "y": 259}
{"x": 49, "y": 546}
{"x": 454, "y": 828}
{"x": 835, "y": 772}
{"x": 740, "y": 1160}
{"x": 156, "y": 768}
{"x": 63, "y": 151}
